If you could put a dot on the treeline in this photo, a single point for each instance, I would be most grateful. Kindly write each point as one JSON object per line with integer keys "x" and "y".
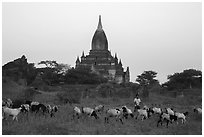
{"x": 20, "y": 69}
{"x": 188, "y": 79}
{"x": 54, "y": 73}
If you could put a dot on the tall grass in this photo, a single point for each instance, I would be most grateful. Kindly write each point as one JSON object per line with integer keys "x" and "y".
{"x": 70, "y": 96}
{"x": 111, "y": 96}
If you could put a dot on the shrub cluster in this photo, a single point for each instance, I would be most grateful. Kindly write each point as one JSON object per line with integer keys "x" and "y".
{"x": 70, "y": 96}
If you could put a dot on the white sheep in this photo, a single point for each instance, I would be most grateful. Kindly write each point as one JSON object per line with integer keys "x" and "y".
{"x": 11, "y": 112}
{"x": 34, "y": 103}
{"x": 181, "y": 116}
{"x": 117, "y": 113}
{"x": 169, "y": 111}
{"x": 99, "y": 108}
{"x": 157, "y": 110}
{"x": 198, "y": 110}
{"x": 145, "y": 107}
{"x": 89, "y": 112}
{"x": 77, "y": 112}
{"x": 143, "y": 113}
{"x": 7, "y": 102}
{"x": 128, "y": 111}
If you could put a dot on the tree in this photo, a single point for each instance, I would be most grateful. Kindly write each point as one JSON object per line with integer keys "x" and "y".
{"x": 146, "y": 80}
{"x": 30, "y": 73}
{"x": 62, "y": 68}
{"x": 187, "y": 79}
{"x": 48, "y": 63}
{"x": 20, "y": 69}
{"x": 54, "y": 72}
{"x": 83, "y": 76}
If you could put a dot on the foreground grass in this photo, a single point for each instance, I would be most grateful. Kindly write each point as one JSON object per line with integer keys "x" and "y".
{"x": 64, "y": 124}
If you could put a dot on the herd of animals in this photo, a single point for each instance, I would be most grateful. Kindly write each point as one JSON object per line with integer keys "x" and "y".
{"x": 13, "y": 109}
{"x": 167, "y": 115}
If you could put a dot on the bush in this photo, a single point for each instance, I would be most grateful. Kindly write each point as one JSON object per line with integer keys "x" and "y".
{"x": 27, "y": 94}
{"x": 122, "y": 93}
{"x": 156, "y": 88}
{"x": 71, "y": 96}
{"x": 105, "y": 90}
{"x": 83, "y": 76}
{"x": 116, "y": 99}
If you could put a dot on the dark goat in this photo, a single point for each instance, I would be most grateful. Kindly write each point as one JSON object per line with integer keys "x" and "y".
{"x": 39, "y": 107}
{"x": 53, "y": 110}
{"x": 164, "y": 117}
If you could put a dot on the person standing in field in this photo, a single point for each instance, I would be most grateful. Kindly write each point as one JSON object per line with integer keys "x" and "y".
{"x": 137, "y": 102}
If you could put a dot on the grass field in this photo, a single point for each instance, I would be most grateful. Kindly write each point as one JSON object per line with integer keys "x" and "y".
{"x": 64, "y": 124}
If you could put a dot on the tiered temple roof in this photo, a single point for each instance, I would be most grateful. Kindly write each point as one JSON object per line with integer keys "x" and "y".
{"x": 100, "y": 57}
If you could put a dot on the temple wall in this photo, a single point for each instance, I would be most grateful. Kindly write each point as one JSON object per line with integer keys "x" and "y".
{"x": 119, "y": 79}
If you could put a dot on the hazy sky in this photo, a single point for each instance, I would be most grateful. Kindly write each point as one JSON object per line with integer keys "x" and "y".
{"x": 163, "y": 37}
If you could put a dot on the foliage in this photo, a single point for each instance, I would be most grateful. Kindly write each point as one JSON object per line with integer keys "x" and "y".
{"x": 187, "y": 79}
{"x": 48, "y": 63}
{"x": 20, "y": 69}
{"x": 62, "y": 68}
{"x": 70, "y": 96}
{"x": 105, "y": 90}
{"x": 147, "y": 78}
{"x": 54, "y": 72}
{"x": 83, "y": 76}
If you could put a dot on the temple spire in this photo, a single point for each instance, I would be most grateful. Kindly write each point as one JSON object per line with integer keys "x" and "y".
{"x": 116, "y": 56}
{"x": 82, "y": 54}
{"x": 127, "y": 69}
{"x": 77, "y": 59}
{"x": 120, "y": 62}
{"x": 99, "y": 23}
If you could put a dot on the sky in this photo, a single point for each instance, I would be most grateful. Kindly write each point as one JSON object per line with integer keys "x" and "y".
{"x": 162, "y": 37}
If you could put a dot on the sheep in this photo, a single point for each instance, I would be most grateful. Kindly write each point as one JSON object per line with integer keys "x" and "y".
{"x": 54, "y": 109}
{"x": 3, "y": 103}
{"x": 174, "y": 118}
{"x": 39, "y": 107}
{"x": 143, "y": 113}
{"x": 164, "y": 117}
{"x": 34, "y": 103}
{"x": 181, "y": 116}
{"x": 198, "y": 110}
{"x": 117, "y": 113}
{"x": 90, "y": 112}
{"x": 169, "y": 111}
{"x": 7, "y": 102}
{"x": 11, "y": 112}
{"x": 77, "y": 112}
{"x": 156, "y": 110}
{"x": 49, "y": 108}
{"x": 145, "y": 107}
{"x": 129, "y": 112}
{"x": 25, "y": 108}
{"x": 99, "y": 108}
